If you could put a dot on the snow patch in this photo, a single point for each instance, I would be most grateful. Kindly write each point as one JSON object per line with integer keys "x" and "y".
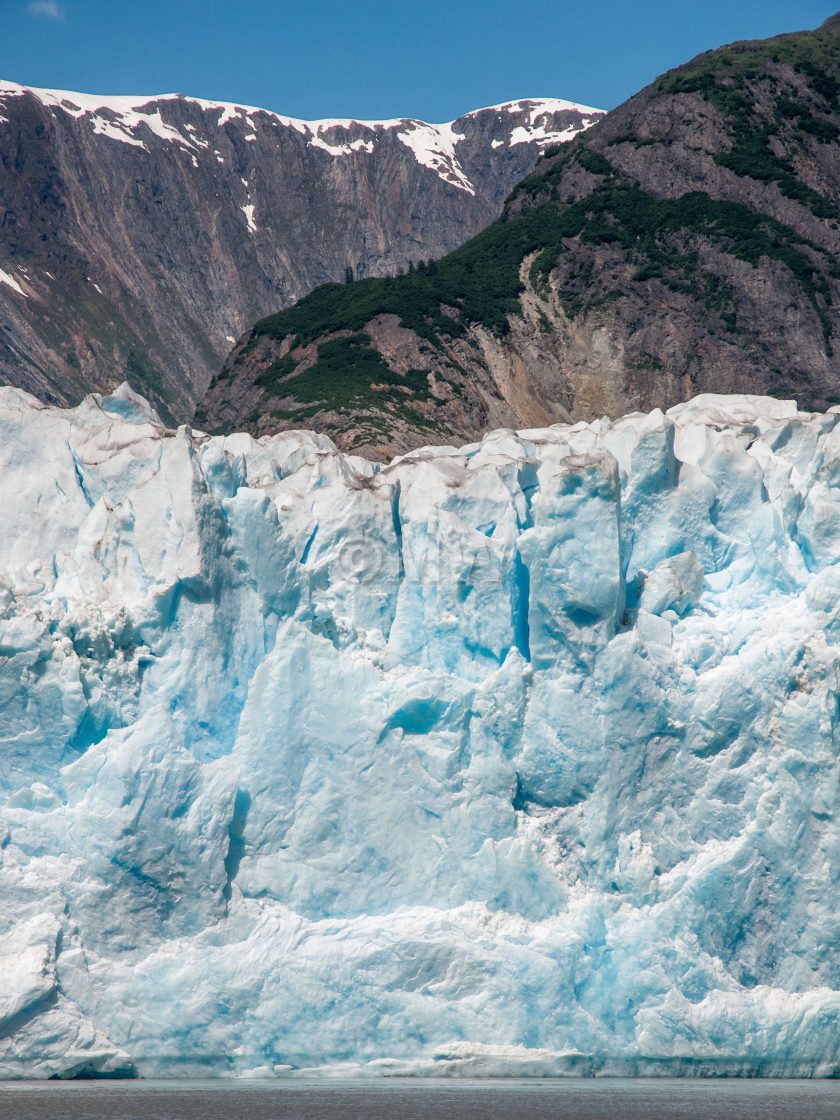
{"x": 116, "y": 130}
{"x": 434, "y": 147}
{"x": 358, "y": 145}
{"x": 10, "y": 282}
{"x": 248, "y": 211}
{"x": 541, "y": 129}
{"x": 540, "y": 105}
{"x": 116, "y": 118}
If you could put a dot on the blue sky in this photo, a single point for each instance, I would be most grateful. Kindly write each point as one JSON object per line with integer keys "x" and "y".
{"x": 369, "y": 58}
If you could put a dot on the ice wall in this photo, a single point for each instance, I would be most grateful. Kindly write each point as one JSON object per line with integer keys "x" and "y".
{"x": 518, "y": 758}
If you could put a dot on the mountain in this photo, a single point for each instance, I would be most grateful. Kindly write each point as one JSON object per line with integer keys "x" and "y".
{"x": 689, "y": 242}
{"x": 515, "y": 759}
{"x": 139, "y": 237}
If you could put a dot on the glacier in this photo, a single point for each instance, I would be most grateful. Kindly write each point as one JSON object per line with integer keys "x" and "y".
{"x": 516, "y": 758}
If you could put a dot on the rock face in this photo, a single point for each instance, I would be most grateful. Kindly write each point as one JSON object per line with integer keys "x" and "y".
{"x": 140, "y": 237}
{"x": 687, "y": 243}
{"x": 518, "y": 758}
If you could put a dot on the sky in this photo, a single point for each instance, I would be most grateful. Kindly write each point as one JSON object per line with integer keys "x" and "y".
{"x": 374, "y": 59}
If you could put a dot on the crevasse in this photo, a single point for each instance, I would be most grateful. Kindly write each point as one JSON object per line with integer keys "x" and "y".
{"x": 514, "y": 758}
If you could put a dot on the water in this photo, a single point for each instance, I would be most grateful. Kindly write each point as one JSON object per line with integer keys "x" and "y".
{"x": 421, "y": 1100}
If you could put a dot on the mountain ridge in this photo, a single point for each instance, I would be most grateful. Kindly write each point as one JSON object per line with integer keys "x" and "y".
{"x": 686, "y": 243}
{"x": 125, "y": 113}
{"x": 140, "y": 236}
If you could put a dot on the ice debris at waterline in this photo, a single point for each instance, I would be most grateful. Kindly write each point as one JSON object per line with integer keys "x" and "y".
{"x": 518, "y": 758}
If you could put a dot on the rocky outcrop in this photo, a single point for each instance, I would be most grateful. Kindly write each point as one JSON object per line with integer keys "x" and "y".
{"x": 140, "y": 238}
{"x": 687, "y": 243}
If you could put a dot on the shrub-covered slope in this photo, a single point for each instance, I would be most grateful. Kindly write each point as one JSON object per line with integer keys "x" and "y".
{"x": 687, "y": 243}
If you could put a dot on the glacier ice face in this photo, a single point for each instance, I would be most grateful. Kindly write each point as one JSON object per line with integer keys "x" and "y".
{"x": 514, "y": 758}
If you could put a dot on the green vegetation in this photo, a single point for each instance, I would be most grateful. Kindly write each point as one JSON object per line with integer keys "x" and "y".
{"x": 593, "y": 162}
{"x": 727, "y": 80}
{"x": 661, "y": 239}
{"x": 273, "y": 377}
{"x": 721, "y": 75}
{"x": 544, "y": 321}
{"x": 657, "y": 235}
{"x": 752, "y": 156}
{"x": 349, "y": 374}
{"x": 480, "y": 283}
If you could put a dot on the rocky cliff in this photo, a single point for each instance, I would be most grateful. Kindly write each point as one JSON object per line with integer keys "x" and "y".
{"x": 140, "y": 237}
{"x": 687, "y": 243}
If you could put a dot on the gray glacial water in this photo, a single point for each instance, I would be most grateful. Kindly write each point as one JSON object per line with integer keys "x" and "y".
{"x": 422, "y": 1100}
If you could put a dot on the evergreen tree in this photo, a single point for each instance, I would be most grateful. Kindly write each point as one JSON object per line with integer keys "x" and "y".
{"x": 348, "y": 275}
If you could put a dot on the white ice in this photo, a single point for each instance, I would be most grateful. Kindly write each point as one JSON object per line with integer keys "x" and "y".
{"x": 515, "y": 758}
